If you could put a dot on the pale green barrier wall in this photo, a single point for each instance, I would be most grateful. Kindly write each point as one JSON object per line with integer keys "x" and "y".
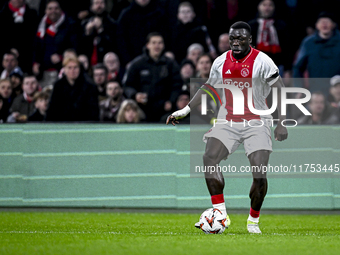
{"x": 147, "y": 166}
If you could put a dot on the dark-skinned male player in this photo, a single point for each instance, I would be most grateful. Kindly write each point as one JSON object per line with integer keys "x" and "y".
{"x": 256, "y": 68}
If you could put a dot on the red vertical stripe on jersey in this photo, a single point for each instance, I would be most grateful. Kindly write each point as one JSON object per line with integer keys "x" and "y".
{"x": 239, "y": 72}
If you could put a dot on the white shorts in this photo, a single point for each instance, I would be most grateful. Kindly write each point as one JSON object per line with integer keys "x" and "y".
{"x": 254, "y": 138}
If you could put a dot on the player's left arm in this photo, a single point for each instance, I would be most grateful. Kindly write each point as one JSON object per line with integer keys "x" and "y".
{"x": 280, "y": 131}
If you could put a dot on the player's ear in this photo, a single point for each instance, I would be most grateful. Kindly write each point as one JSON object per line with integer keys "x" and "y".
{"x": 250, "y": 39}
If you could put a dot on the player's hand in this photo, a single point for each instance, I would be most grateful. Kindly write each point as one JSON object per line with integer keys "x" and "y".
{"x": 173, "y": 118}
{"x": 280, "y": 132}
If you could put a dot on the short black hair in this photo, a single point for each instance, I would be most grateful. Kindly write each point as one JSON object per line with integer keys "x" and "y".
{"x": 152, "y": 34}
{"x": 116, "y": 81}
{"x": 100, "y": 66}
{"x": 240, "y": 25}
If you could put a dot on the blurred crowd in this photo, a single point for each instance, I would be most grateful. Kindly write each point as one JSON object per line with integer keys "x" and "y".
{"x": 131, "y": 61}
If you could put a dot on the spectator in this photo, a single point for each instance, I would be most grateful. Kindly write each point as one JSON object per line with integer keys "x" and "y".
{"x": 5, "y": 99}
{"x": 118, "y": 7}
{"x": 321, "y": 113}
{"x": 100, "y": 79}
{"x": 76, "y": 9}
{"x": 18, "y": 26}
{"x": 319, "y": 54}
{"x": 56, "y": 33}
{"x": 109, "y": 108}
{"x": 134, "y": 24}
{"x": 40, "y": 102}
{"x": 23, "y": 105}
{"x": 68, "y": 53}
{"x": 73, "y": 98}
{"x": 187, "y": 32}
{"x": 194, "y": 52}
{"x": 204, "y": 64}
{"x": 9, "y": 63}
{"x": 183, "y": 100}
{"x": 112, "y": 63}
{"x": 84, "y": 61}
{"x": 335, "y": 94}
{"x": 130, "y": 112}
{"x": 153, "y": 80}
{"x": 187, "y": 72}
{"x": 270, "y": 35}
{"x": 99, "y": 33}
{"x": 16, "y": 77}
{"x": 223, "y": 43}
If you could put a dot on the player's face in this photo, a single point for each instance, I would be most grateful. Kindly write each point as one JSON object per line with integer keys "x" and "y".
{"x": 240, "y": 40}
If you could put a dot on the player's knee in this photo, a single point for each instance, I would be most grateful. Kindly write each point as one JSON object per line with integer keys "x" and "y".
{"x": 210, "y": 159}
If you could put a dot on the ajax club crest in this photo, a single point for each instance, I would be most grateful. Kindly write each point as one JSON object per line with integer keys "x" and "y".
{"x": 245, "y": 72}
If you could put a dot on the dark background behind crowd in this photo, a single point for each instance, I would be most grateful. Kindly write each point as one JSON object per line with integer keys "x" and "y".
{"x": 130, "y": 61}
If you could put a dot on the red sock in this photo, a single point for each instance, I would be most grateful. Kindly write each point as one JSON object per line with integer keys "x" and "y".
{"x": 253, "y": 213}
{"x": 217, "y": 199}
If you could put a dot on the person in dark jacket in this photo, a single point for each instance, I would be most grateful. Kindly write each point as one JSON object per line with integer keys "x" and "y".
{"x": 23, "y": 105}
{"x": 134, "y": 24}
{"x": 270, "y": 35}
{"x": 319, "y": 55}
{"x": 187, "y": 32}
{"x": 99, "y": 33}
{"x": 74, "y": 98}
{"x": 56, "y": 33}
{"x": 40, "y": 100}
{"x": 18, "y": 27}
{"x": 153, "y": 80}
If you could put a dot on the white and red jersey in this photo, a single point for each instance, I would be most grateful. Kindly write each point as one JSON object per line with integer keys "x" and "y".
{"x": 254, "y": 71}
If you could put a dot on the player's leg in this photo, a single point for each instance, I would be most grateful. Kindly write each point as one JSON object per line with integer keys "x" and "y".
{"x": 258, "y": 188}
{"x": 215, "y": 152}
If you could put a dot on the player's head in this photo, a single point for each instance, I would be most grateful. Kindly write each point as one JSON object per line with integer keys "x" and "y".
{"x": 240, "y": 39}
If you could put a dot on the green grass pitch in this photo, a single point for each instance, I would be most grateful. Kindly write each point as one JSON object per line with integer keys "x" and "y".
{"x": 156, "y": 233}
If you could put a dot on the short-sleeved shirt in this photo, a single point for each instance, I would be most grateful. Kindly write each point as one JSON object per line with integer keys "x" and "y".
{"x": 256, "y": 71}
